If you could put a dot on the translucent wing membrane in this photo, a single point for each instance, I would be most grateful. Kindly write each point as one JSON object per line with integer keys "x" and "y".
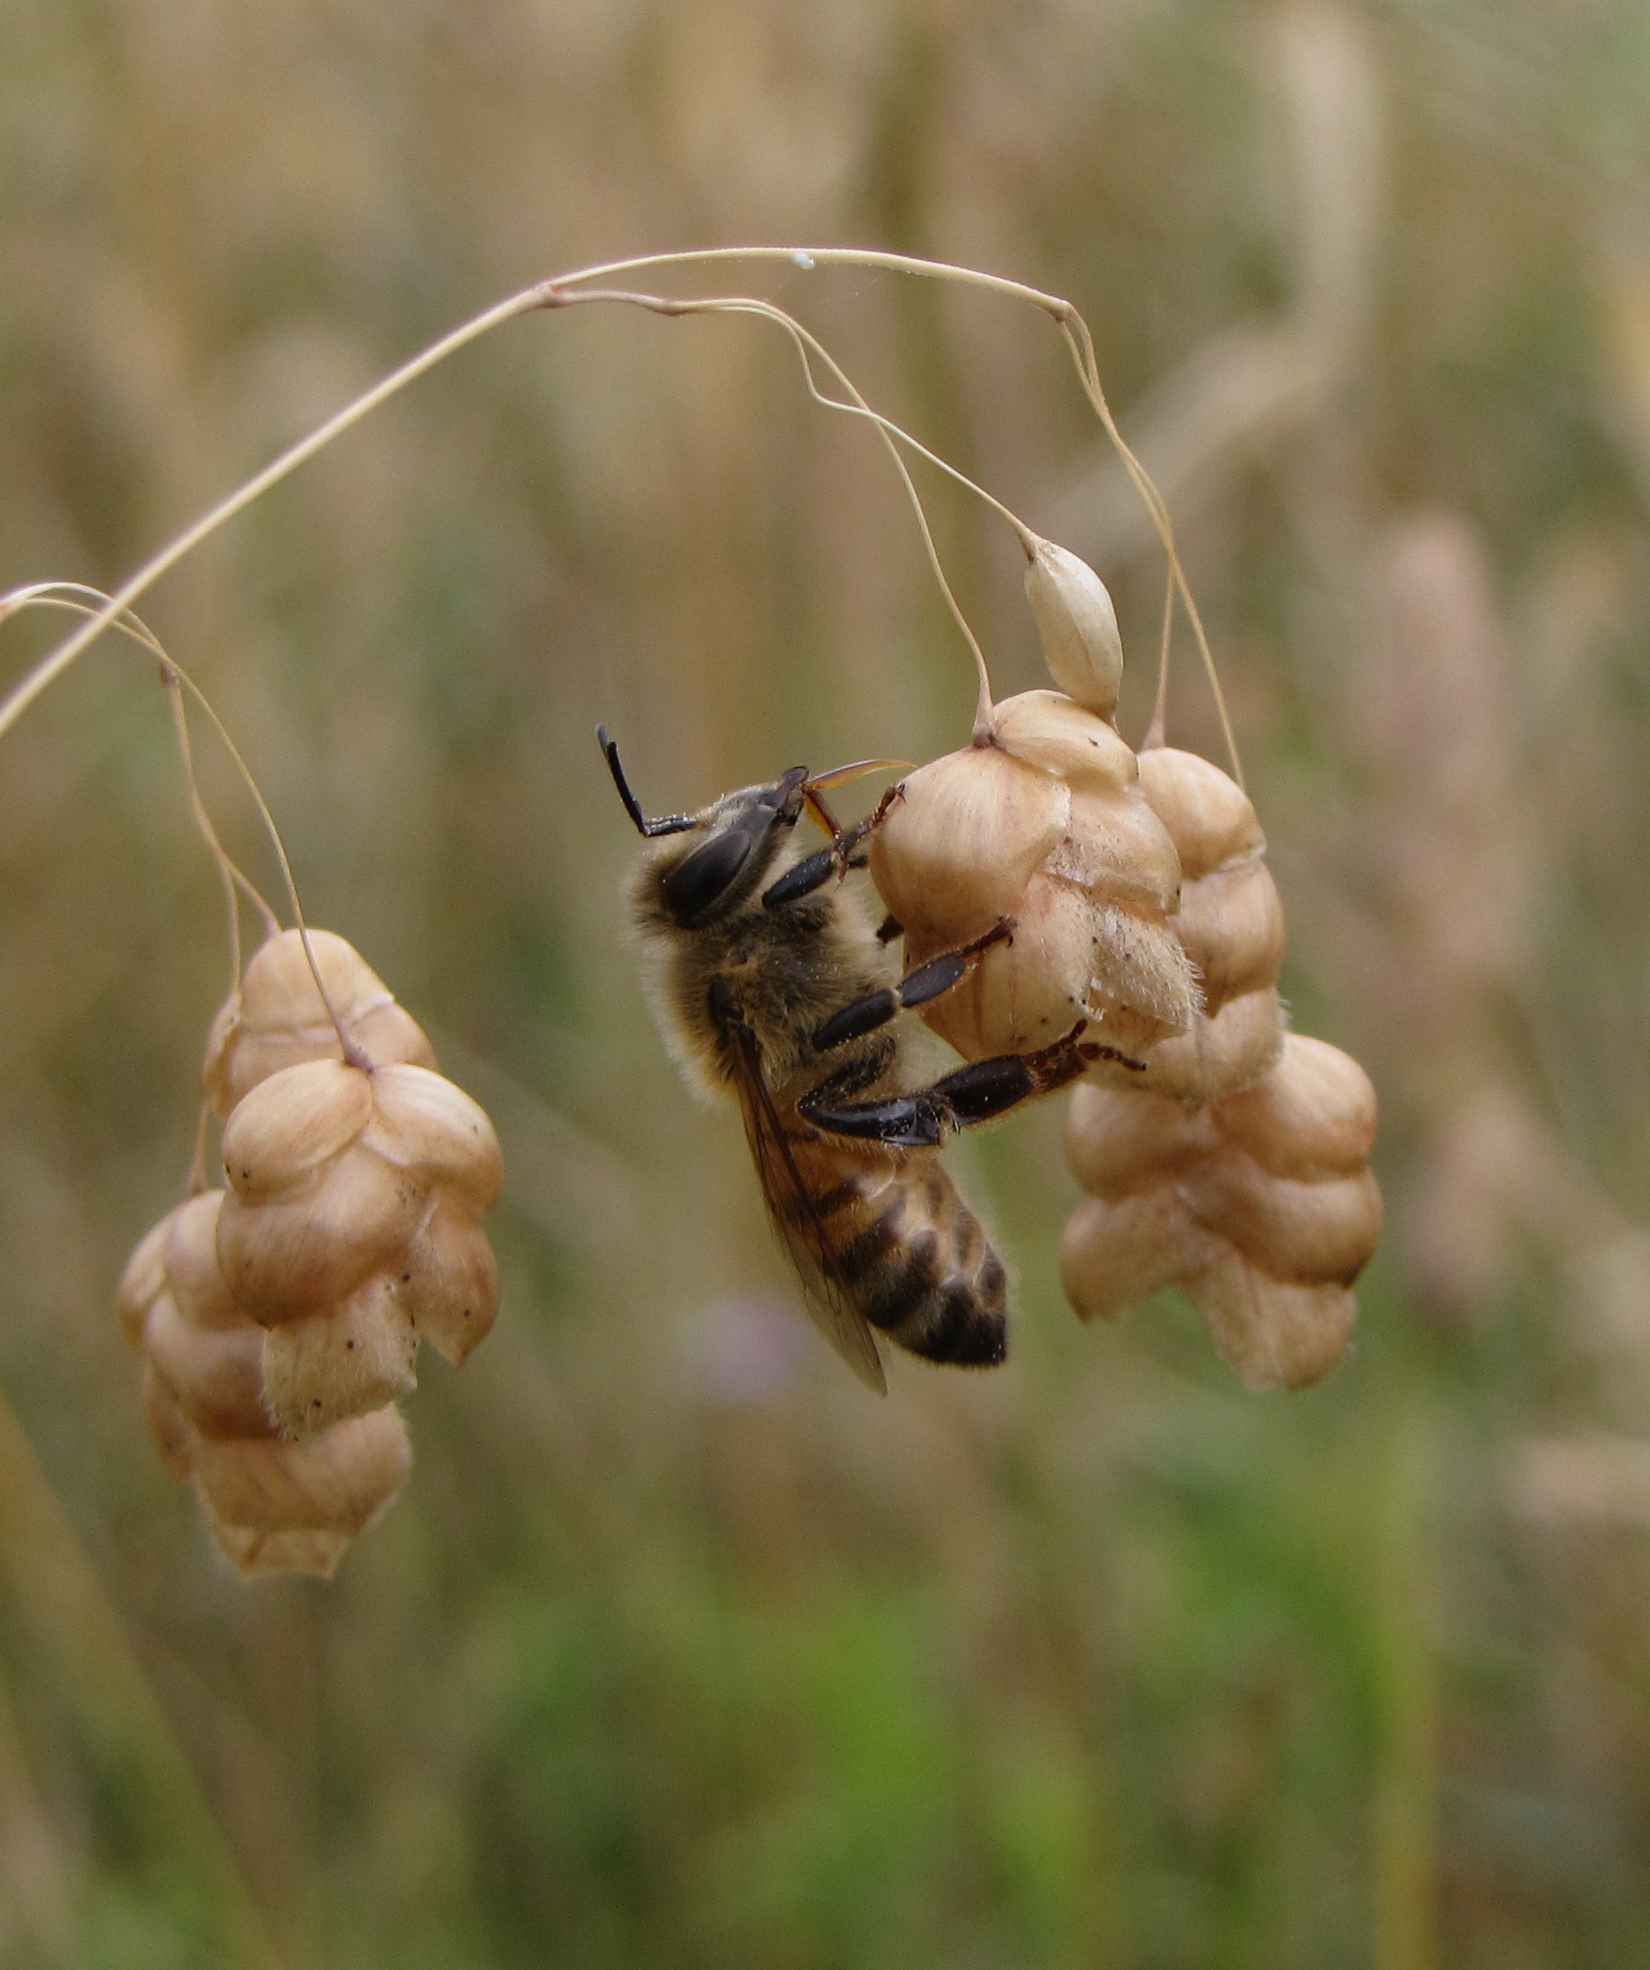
{"x": 800, "y": 1228}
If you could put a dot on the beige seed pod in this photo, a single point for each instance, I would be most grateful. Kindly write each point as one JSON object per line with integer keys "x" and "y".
{"x": 1044, "y": 825}
{"x": 1212, "y": 820}
{"x": 1077, "y": 626}
{"x": 277, "y": 1018}
{"x": 279, "y": 1507}
{"x": 1119, "y": 1251}
{"x": 1313, "y": 1229}
{"x": 450, "y": 1284}
{"x": 429, "y": 1127}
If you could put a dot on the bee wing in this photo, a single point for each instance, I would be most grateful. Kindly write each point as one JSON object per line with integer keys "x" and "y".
{"x": 798, "y": 1223}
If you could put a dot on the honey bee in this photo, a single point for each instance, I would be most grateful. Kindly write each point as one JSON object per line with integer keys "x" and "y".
{"x": 769, "y": 982}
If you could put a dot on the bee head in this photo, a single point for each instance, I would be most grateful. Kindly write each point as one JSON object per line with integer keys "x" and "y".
{"x": 735, "y": 842}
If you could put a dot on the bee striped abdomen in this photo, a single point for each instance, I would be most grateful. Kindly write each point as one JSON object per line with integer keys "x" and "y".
{"x": 914, "y": 1259}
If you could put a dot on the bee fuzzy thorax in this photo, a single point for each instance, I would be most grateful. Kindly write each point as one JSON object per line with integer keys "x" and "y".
{"x": 782, "y": 972}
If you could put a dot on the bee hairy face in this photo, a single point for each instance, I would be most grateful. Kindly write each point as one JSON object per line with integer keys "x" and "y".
{"x": 739, "y": 836}
{"x": 737, "y": 840}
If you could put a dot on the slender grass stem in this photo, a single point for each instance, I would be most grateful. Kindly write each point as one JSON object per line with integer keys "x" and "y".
{"x": 556, "y": 293}
{"x": 52, "y": 595}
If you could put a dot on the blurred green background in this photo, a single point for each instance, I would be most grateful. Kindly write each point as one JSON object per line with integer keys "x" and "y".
{"x": 679, "y": 1650}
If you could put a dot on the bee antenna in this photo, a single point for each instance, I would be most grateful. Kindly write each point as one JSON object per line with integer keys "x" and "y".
{"x": 666, "y": 824}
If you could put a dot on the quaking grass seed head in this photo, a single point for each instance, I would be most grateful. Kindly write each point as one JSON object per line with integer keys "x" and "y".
{"x": 1044, "y": 824}
{"x": 279, "y": 1319}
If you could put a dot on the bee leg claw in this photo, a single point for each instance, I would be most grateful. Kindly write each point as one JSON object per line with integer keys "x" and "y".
{"x": 1093, "y": 1050}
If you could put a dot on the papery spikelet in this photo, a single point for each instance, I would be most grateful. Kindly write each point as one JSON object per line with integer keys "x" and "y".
{"x": 198, "y": 1346}
{"x": 193, "y": 1271}
{"x": 215, "y": 1373}
{"x": 1236, "y": 1165}
{"x": 292, "y": 1123}
{"x": 450, "y": 1288}
{"x": 1212, "y": 820}
{"x": 343, "y": 1361}
{"x": 1317, "y": 1116}
{"x": 1230, "y": 1051}
{"x": 1116, "y": 1147}
{"x": 429, "y": 1127}
{"x": 1230, "y": 925}
{"x": 1117, "y": 1252}
{"x": 279, "y": 1507}
{"x": 299, "y": 1233}
{"x": 1077, "y": 626}
{"x": 1048, "y": 730}
{"x": 296, "y": 1254}
{"x": 352, "y": 1231}
{"x": 960, "y": 844}
{"x": 1273, "y": 1333}
{"x": 277, "y": 1018}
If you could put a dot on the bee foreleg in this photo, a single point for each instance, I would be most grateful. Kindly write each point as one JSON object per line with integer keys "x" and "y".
{"x": 815, "y": 870}
{"x": 930, "y": 980}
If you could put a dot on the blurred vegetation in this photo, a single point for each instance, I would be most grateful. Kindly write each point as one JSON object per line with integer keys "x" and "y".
{"x": 678, "y": 1650}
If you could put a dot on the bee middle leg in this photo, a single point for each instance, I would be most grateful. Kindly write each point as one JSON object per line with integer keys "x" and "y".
{"x": 930, "y": 980}
{"x": 973, "y": 1094}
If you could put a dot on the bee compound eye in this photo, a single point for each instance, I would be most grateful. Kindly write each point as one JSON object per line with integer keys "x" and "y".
{"x": 702, "y": 877}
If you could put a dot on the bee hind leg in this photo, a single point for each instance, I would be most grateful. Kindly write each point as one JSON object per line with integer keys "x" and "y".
{"x": 930, "y": 980}
{"x": 979, "y": 1092}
